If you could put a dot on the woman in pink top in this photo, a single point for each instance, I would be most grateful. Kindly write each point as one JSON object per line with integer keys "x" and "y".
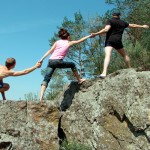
{"x": 59, "y": 50}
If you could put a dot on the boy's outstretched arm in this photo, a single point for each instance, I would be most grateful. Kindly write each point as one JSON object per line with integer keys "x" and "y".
{"x": 138, "y": 26}
{"x": 23, "y": 72}
{"x": 104, "y": 30}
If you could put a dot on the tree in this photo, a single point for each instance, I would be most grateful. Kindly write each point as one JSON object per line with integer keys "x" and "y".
{"x": 136, "y": 11}
{"x": 77, "y": 30}
{"x": 95, "y": 54}
{"x": 56, "y": 84}
{"x": 31, "y": 96}
{"x": 89, "y": 55}
{"x": 88, "y": 51}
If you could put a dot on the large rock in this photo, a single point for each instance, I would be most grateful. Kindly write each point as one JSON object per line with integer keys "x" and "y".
{"x": 28, "y": 126}
{"x": 109, "y": 114}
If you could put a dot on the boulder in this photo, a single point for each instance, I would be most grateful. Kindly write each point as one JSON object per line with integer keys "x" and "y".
{"x": 104, "y": 114}
{"x": 110, "y": 113}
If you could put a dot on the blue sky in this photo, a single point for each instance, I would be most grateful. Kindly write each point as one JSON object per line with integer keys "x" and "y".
{"x": 25, "y": 29}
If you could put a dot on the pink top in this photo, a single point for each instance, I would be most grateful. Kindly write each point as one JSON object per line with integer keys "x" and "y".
{"x": 61, "y": 50}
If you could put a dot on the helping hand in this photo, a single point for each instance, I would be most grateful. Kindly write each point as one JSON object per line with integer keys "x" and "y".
{"x": 92, "y": 35}
{"x": 38, "y": 64}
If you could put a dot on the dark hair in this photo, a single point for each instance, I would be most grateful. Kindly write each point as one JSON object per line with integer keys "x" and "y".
{"x": 63, "y": 34}
{"x": 116, "y": 14}
{"x": 10, "y": 62}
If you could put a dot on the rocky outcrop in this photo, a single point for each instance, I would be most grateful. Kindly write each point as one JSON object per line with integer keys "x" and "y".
{"x": 28, "y": 126}
{"x": 109, "y": 114}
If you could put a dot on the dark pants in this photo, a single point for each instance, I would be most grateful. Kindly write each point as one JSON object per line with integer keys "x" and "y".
{"x": 1, "y": 83}
{"x": 52, "y": 65}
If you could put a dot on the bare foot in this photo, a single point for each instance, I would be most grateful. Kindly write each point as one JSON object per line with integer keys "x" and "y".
{"x": 81, "y": 81}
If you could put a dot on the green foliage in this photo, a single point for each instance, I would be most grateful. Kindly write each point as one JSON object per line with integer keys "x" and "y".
{"x": 137, "y": 40}
{"x": 77, "y": 29}
{"x": 137, "y": 12}
{"x": 56, "y": 85}
{"x": 31, "y": 96}
{"x": 95, "y": 54}
{"x": 74, "y": 146}
{"x": 139, "y": 56}
{"x": 89, "y": 55}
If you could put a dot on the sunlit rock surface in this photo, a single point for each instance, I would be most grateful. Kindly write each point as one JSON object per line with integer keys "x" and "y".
{"x": 106, "y": 114}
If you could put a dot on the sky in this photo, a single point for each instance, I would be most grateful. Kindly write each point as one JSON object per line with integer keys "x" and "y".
{"x": 26, "y": 26}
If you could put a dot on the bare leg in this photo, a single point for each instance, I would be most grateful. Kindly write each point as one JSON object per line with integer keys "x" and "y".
{"x": 47, "y": 78}
{"x": 125, "y": 57}
{"x": 80, "y": 80}
{"x": 3, "y": 95}
{"x": 43, "y": 88}
{"x": 108, "y": 51}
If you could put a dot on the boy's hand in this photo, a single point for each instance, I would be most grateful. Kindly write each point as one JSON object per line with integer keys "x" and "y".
{"x": 92, "y": 35}
{"x": 145, "y": 26}
{"x": 38, "y": 64}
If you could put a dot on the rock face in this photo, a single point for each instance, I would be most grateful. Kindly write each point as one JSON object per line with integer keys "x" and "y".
{"x": 28, "y": 126}
{"x": 108, "y": 114}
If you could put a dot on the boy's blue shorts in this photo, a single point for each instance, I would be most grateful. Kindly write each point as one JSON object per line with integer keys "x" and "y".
{"x": 1, "y": 84}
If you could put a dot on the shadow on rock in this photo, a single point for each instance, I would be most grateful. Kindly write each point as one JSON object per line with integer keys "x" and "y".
{"x": 5, "y": 145}
{"x": 69, "y": 95}
{"x": 61, "y": 133}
